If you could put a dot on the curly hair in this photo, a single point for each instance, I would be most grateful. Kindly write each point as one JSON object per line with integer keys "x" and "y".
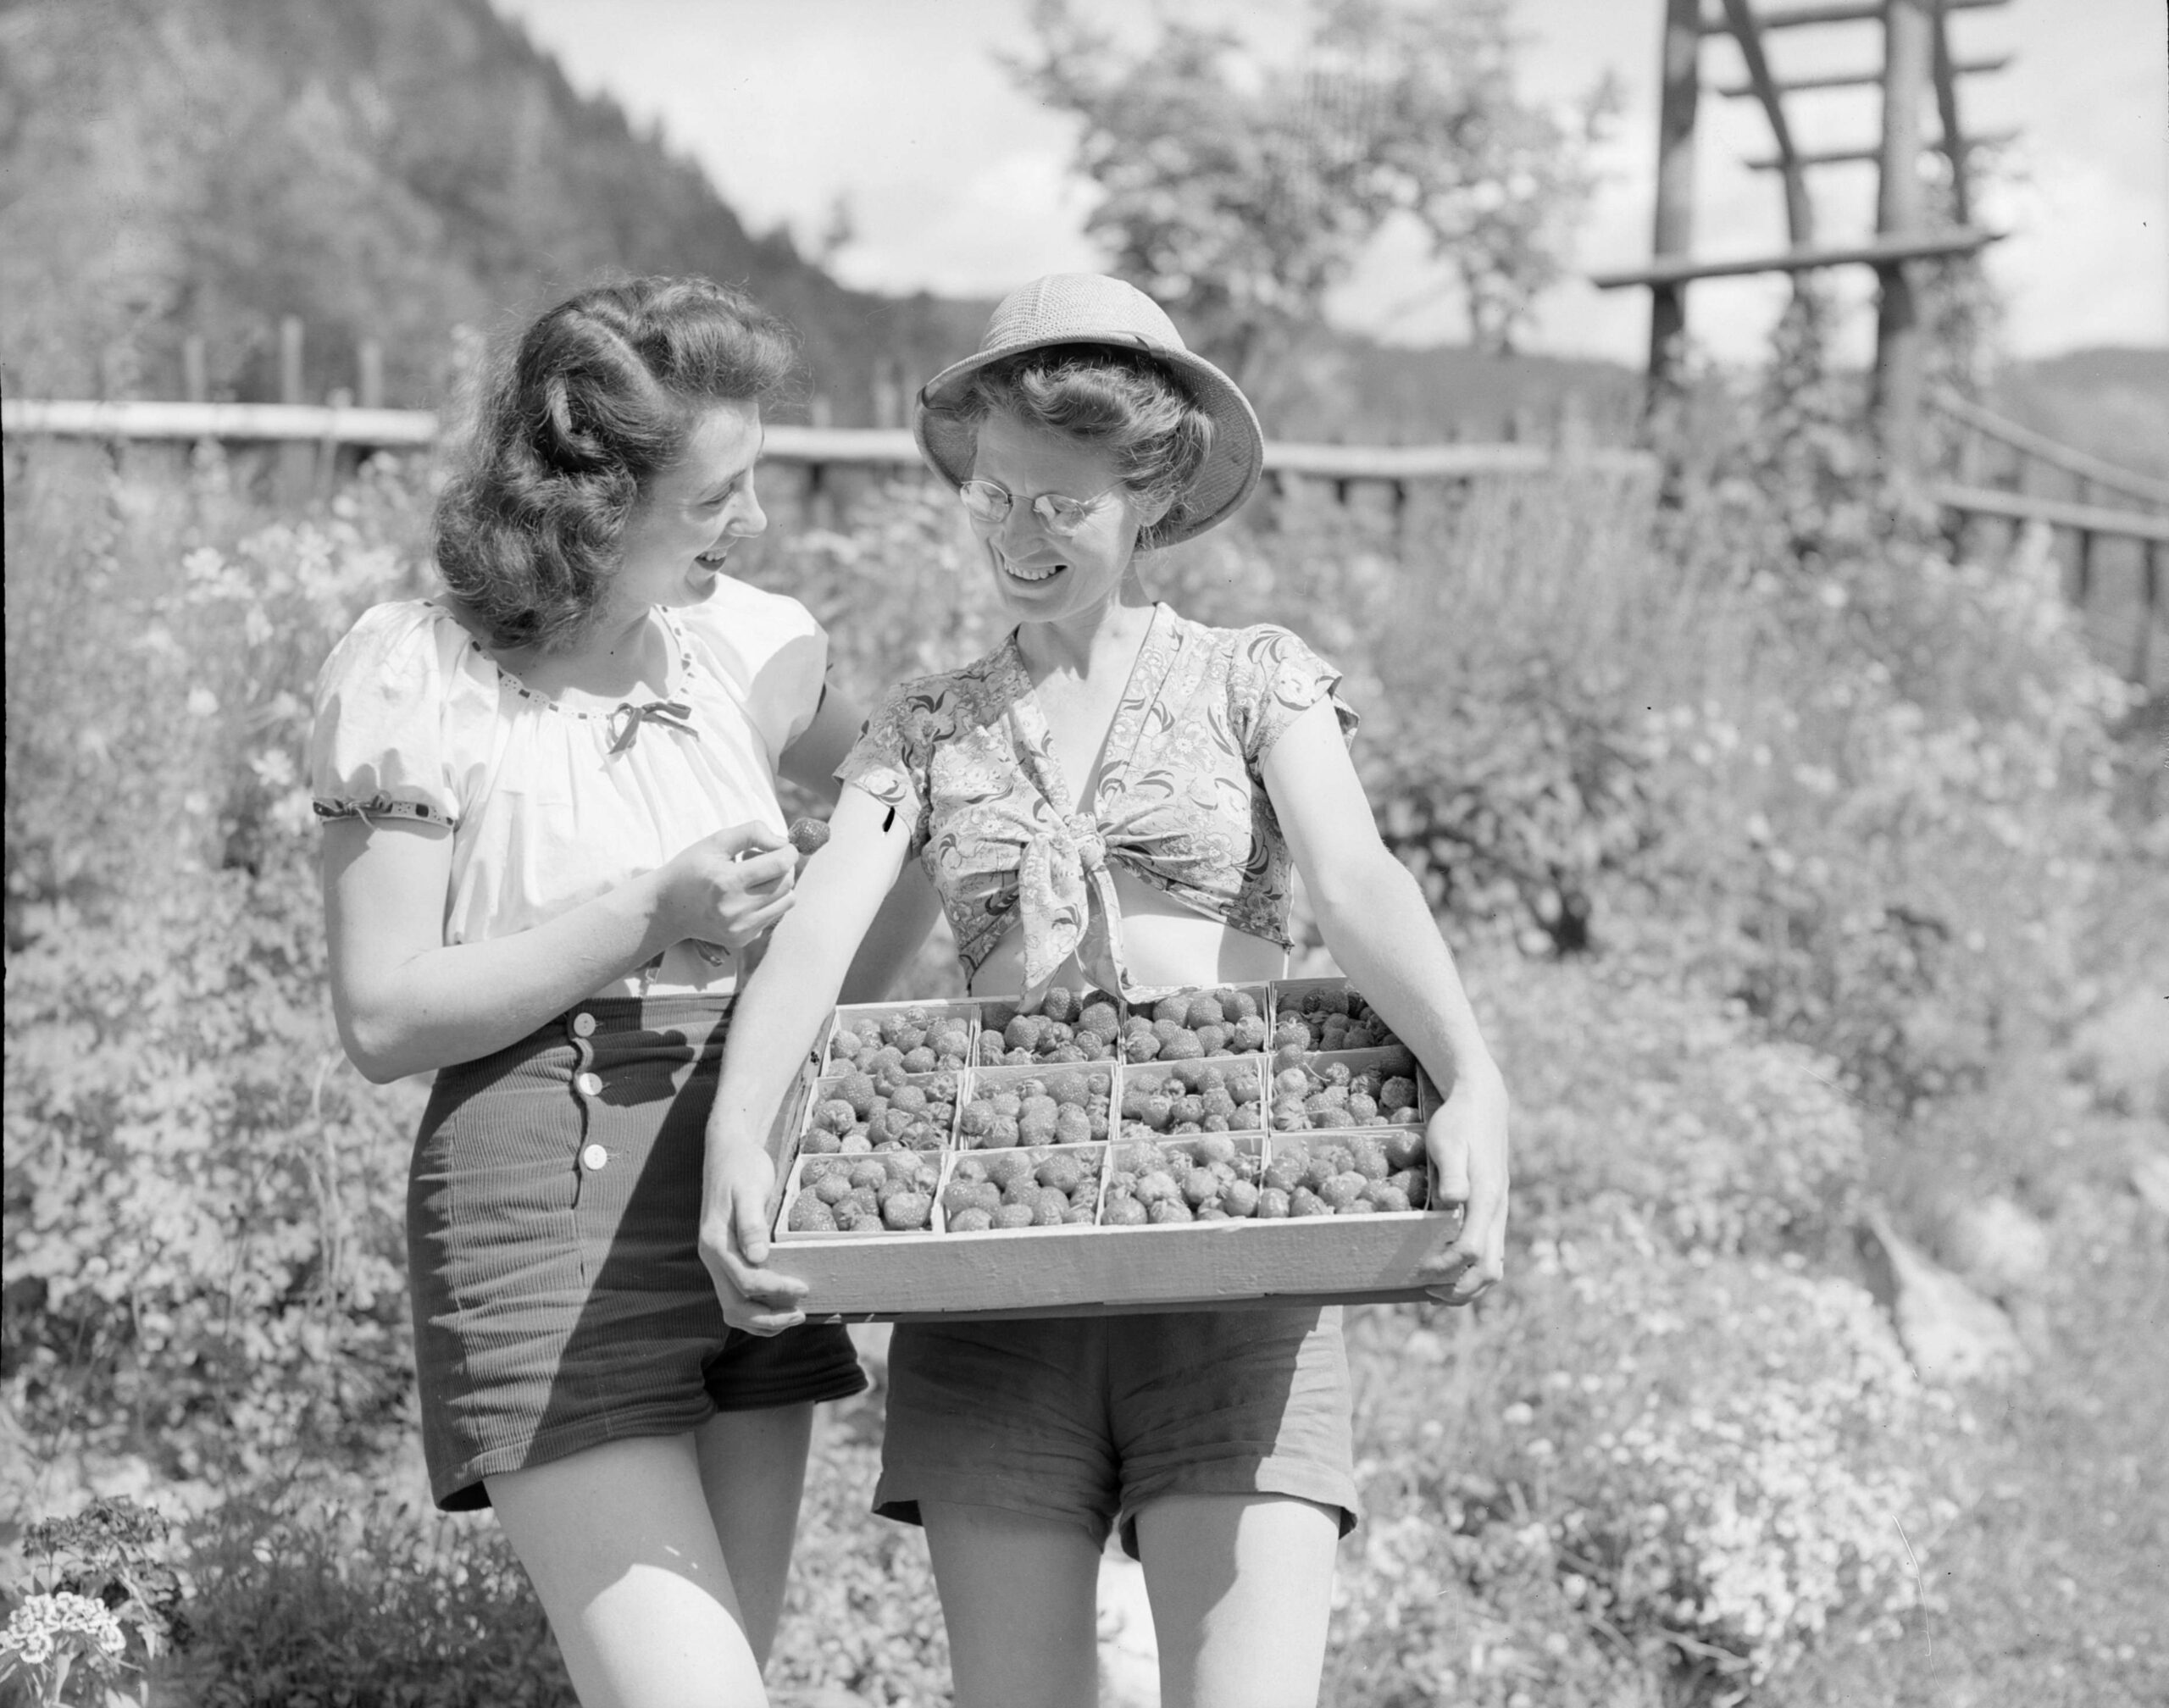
{"x": 1116, "y": 400}
{"x": 571, "y": 426}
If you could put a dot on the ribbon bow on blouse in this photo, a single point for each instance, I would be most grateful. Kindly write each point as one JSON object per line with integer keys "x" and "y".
{"x": 625, "y": 721}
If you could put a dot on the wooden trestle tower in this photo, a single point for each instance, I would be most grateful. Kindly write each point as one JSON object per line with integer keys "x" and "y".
{"x": 1916, "y": 59}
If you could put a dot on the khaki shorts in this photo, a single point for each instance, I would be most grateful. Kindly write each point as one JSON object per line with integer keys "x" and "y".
{"x": 1091, "y": 1419}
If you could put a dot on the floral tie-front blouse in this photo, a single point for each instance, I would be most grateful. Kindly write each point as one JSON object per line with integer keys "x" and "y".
{"x": 967, "y": 758}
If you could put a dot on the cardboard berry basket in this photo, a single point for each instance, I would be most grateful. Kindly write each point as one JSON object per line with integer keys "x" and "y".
{"x": 856, "y": 1016}
{"x": 802, "y": 1184}
{"x": 1313, "y": 1001}
{"x": 1075, "y": 1269}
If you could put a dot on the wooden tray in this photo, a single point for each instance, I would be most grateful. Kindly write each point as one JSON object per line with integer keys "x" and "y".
{"x": 1078, "y": 1271}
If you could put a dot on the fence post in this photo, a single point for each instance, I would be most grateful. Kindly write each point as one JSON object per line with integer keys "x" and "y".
{"x": 326, "y": 473}
{"x": 888, "y": 393}
{"x": 297, "y": 461}
{"x": 369, "y": 372}
{"x": 2149, "y": 603}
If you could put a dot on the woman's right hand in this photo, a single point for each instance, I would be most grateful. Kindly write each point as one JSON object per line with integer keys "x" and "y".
{"x": 733, "y": 1240}
{"x": 729, "y": 888}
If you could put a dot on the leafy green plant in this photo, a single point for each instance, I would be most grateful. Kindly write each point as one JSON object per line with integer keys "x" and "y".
{"x": 362, "y": 1602}
{"x": 202, "y": 1202}
{"x": 862, "y": 1617}
{"x": 99, "y": 1595}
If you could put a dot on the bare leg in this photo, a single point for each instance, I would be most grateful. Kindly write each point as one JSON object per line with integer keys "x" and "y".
{"x": 1020, "y": 1596}
{"x": 1241, "y": 1588}
{"x": 753, "y": 1467}
{"x": 622, "y": 1549}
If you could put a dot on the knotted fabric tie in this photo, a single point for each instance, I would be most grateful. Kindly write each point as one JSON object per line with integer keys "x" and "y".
{"x": 626, "y": 720}
{"x": 1064, "y": 872}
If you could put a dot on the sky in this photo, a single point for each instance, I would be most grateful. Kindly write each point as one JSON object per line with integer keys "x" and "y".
{"x": 958, "y": 183}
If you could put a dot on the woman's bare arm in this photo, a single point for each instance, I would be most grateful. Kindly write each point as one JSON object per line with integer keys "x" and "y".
{"x": 406, "y": 1001}
{"x": 894, "y": 938}
{"x": 1379, "y": 929}
{"x": 778, "y": 1016}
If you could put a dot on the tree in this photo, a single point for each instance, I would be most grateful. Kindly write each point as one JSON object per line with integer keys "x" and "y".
{"x": 1238, "y": 191}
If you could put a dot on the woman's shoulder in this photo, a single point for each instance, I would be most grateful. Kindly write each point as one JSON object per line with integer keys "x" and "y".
{"x": 402, "y": 639}
{"x": 746, "y": 620}
{"x": 965, "y": 683}
{"x": 1250, "y": 645}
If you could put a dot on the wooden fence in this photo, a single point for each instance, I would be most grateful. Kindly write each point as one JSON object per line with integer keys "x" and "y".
{"x": 316, "y": 434}
{"x": 343, "y": 426}
{"x": 2140, "y": 515}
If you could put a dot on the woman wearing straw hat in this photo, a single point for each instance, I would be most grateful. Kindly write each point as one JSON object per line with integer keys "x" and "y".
{"x": 1115, "y": 796}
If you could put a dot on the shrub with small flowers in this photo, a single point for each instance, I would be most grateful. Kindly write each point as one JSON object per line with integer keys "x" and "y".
{"x": 202, "y": 1249}
{"x": 1669, "y": 1106}
{"x": 47, "y": 1635}
{"x": 1680, "y": 1467}
{"x": 99, "y": 1591}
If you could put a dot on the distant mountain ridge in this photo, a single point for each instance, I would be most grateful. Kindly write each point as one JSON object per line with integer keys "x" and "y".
{"x": 2112, "y": 401}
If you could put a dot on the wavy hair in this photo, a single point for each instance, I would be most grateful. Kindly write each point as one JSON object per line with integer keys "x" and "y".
{"x": 571, "y": 426}
{"x": 1119, "y": 401}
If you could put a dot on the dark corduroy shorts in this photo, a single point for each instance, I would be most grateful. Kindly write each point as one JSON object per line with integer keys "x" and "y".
{"x": 1088, "y": 1420}
{"x": 559, "y": 1298}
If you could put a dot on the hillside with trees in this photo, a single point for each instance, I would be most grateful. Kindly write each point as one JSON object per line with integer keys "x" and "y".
{"x": 386, "y": 168}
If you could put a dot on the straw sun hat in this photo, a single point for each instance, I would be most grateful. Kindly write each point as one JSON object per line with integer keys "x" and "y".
{"x": 1092, "y": 308}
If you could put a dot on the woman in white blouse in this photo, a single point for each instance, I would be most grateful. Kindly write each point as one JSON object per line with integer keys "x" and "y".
{"x": 552, "y": 835}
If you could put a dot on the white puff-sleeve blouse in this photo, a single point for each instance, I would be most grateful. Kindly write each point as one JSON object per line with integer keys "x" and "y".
{"x": 549, "y": 806}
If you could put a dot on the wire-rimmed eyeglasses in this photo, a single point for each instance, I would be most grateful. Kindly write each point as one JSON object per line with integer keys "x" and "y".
{"x": 989, "y": 505}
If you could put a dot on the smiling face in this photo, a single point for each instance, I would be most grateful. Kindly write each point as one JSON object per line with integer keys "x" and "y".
{"x": 692, "y": 514}
{"x": 1039, "y": 576}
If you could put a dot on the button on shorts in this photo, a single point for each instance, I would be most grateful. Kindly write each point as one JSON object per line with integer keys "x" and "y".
{"x": 553, "y": 1210}
{"x": 1091, "y": 1419}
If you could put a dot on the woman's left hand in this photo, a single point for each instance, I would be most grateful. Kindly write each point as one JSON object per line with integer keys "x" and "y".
{"x": 1467, "y": 1139}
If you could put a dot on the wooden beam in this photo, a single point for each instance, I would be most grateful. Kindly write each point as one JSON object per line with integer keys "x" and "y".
{"x": 1838, "y": 157}
{"x": 1851, "y": 79}
{"x": 1899, "y": 213}
{"x": 271, "y": 423}
{"x": 1880, "y": 252}
{"x": 2024, "y": 506}
{"x": 1800, "y": 215}
{"x": 2125, "y": 482}
{"x": 1955, "y": 142}
{"x": 1673, "y": 229}
{"x": 1845, "y": 12}
{"x": 1437, "y": 462}
{"x": 840, "y": 446}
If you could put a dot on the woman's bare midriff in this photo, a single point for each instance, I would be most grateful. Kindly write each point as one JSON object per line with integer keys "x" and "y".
{"x": 1164, "y": 942}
